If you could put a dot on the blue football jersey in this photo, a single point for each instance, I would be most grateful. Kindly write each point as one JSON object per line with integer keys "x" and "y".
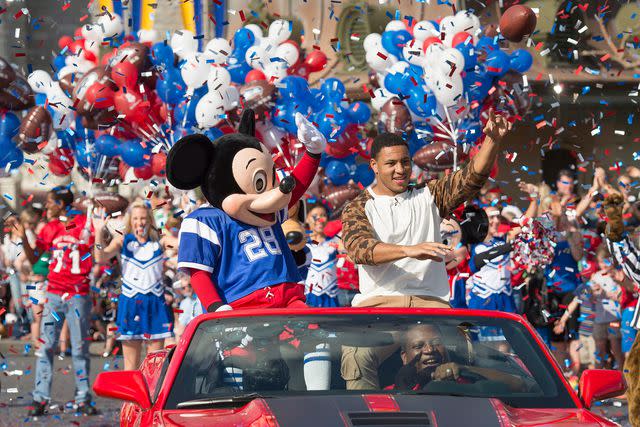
{"x": 241, "y": 258}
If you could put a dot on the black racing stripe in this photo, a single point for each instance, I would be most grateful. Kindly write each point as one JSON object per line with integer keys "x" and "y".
{"x": 452, "y": 410}
{"x": 315, "y": 411}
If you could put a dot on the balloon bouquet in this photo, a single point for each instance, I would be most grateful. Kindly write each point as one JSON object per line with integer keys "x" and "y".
{"x": 436, "y": 78}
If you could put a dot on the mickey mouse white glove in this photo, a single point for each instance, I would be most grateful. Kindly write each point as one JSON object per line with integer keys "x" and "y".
{"x": 313, "y": 140}
{"x": 224, "y": 307}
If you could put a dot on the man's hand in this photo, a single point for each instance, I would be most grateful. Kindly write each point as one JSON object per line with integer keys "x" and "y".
{"x": 446, "y": 372}
{"x": 558, "y": 327}
{"x": 428, "y": 250}
{"x": 530, "y": 189}
{"x": 309, "y": 135}
{"x": 497, "y": 126}
{"x": 98, "y": 218}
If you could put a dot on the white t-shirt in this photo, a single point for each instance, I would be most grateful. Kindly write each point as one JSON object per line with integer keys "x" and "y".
{"x": 607, "y": 310}
{"x": 406, "y": 219}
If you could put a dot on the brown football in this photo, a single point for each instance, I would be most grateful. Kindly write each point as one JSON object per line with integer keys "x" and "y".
{"x": 112, "y": 202}
{"x": 35, "y": 129}
{"x": 258, "y": 95}
{"x": 517, "y": 22}
{"x": 436, "y": 157}
{"x": 395, "y": 116}
{"x": 338, "y": 196}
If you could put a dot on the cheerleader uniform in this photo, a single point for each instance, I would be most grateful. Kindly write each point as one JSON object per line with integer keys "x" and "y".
{"x": 490, "y": 282}
{"x": 142, "y": 310}
{"x": 321, "y": 284}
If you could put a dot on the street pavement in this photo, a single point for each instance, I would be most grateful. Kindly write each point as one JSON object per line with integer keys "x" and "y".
{"x": 17, "y": 381}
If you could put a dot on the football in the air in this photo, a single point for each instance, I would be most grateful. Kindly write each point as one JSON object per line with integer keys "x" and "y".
{"x": 517, "y": 22}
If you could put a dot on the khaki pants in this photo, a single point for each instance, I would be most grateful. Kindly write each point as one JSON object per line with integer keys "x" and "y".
{"x": 360, "y": 364}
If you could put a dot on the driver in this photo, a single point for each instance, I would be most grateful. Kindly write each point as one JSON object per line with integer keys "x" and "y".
{"x": 425, "y": 359}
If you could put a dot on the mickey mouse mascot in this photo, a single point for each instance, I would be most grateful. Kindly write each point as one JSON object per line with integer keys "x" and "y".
{"x": 234, "y": 248}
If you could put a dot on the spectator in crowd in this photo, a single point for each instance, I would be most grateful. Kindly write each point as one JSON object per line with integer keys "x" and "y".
{"x": 11, "y": 249}
{"x": 69, "y": 239}
{"x": 143, "y": 315}
{"x": 321, "y": 282}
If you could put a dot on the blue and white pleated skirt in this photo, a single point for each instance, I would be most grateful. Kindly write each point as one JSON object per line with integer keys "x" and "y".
{"x": 144, "y": 317}
{"x": 323, "y": 300}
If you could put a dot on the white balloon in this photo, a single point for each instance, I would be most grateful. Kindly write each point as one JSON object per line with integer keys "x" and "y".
{"x": 183, "y": 43}
{"x": 423, "y": 30}
{"x": 372, "y": 42}
{"x": 381, "y": 97}
{"x": 257, "y": 57}
{"x": 68, "y": 69}
{"x": 451, "y": 59}
{"x": 279, "y": 31}
{"x": 413, "y": 53}
{"x": 398, "y": 67}
{"x": 209, "y": 110}
{"x": 395, "y": 25}
{"x": 218, "y": 78}
{"x": 271, "y": 135}
{"x": 111, "y": 26}
{"x": 275, "y": 71}
{"x": 217, "y": 50}
{"x": 448, "y": 90}
{"x": 256, "y": 30}
{"x": 51, "y": 145}
{"x": 40, "y": 81}
{"x": 231, "y": 98}
{"x": 288, "y": 53}
{"x": 194, "y": 71}
{"x": 148, "y": 36}
{"x": 377, "y": 62}
{"x": 433, "y": 53}
{"x": 466, "y": 21}
{"x": 80, "y": 64}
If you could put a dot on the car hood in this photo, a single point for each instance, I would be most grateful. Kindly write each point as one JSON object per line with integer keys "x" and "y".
{"x": 391, "y": 410}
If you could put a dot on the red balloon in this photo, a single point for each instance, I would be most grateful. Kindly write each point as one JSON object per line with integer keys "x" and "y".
{"x": 99, "y": 95}
{"x": 123, "y": 168}
{"x": 89, "y": 56}
{"x": 158, "y": 164}
{"x": 64, "y": 41}
{"x": 125, "y": 74}
{"x": 429, "y": 41}
{"x": 61, "y": 161}
{"x": 107, "y": 57}
{"x": 254, "y": 75}
{"x": 78, "y": 32}
{"x": 346, "y": 143}
{"x": 315, "y": 61}
{"x": 460, "y": 38}
{"x": 76, "y": 46}
{"x": 143, "y": 172}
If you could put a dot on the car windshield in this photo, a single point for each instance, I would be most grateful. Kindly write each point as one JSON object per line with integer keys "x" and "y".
{"x": 236, "y": 359}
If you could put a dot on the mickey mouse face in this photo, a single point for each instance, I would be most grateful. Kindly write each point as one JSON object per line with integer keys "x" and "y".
{"x": 236, "y": 173}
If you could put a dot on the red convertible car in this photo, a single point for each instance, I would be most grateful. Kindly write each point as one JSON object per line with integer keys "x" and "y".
{"x": 356, "y": 367}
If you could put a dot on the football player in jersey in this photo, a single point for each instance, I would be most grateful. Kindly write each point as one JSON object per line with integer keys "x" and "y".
{"x": 67, "y": 235}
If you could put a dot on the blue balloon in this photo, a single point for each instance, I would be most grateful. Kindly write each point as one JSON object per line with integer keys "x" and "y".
{"x": 363, "y": 175}
{"x": 170, "y": 90}
{"x": 421, "y": 101}
{"x": 243, "y": 39}
{"x": 316, "y": 99}
{"x": 9, "y": 153}
{"x": 238, "y": 67}
{"x": 359, "y": 112}
{"x": 469, "y": 131}
{"x": 65, "y": 139}
{"x": 81, "y": 155}
{"x": 162, "y": 54}
{"x": 520, "y": 60}
{"x": 497, "y": 63}
{"x": 9, "y": 125}
{"x": 107, "y": 145}
{"x": 133, "y": 153}
{"x": 188, "y": 107}
{"x": 477, "y": 84}
{"x": 397, "y": 83}
{"x": 331, "y": 122}
{"x": 333, "y": 89}
{"x": 338, "y": 172}
{"x": 213, "y": 133}
{"x": 487, "y": 44}
{"x": 283, "y": 116}
{"x": 59, "y": 62}
{"x": 394, "y": 41}
{"x": 470, "y": 55}
{"x": 295, "y": 88}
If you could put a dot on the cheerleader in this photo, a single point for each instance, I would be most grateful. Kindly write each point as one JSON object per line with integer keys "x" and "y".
{"x": 321, "y": 284}
{"x": 143, "y": 315}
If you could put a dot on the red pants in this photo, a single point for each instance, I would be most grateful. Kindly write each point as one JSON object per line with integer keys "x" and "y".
{"x": 277, "y": 296}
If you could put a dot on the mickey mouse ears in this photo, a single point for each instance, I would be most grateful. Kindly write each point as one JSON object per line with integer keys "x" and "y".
{"x": 248, "y": 123}
{"x": 188, "y": 161}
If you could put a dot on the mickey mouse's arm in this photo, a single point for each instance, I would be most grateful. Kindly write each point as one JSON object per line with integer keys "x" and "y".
{"x": 306, "y": 169}
{"x": 205, "y": 289}
{"x": 303, "y": 173}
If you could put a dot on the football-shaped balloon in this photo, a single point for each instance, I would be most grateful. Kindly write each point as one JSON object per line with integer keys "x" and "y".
{"x": 259, "y": 96}
{"x": 17, "y": 96}
{"x": 61, "y": 161}
{"x": 436, "y": 156}
{"x": 517, "y": 22}
{"x": 34, "y": 129}
{"x": 395, "y": 116}
{"x": 112, "y": 202}
{"x": 338, "y": 196}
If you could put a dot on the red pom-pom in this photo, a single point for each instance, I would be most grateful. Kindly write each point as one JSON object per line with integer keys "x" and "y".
{"x": 429, "y": 41}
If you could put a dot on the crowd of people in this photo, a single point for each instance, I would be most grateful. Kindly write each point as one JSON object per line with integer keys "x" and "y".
{"x": 71, "y": 276}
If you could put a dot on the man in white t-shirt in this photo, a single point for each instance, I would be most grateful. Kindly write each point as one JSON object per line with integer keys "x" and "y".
{"x": 392, "y": 231}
